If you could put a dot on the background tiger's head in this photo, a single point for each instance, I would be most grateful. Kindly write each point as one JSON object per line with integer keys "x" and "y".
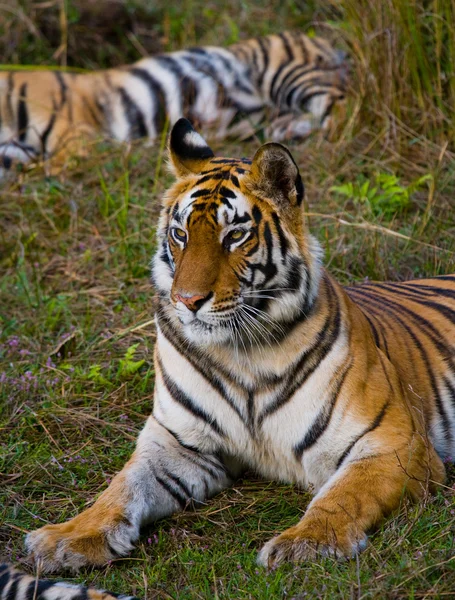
{"x": 234, "y": 262}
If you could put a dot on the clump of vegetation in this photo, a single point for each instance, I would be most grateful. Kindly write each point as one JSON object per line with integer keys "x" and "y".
{"x": 76, "y": 303}
{"x": 385, "y": 196}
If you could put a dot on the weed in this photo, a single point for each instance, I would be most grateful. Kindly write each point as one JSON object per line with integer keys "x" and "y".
{"x": 387, "y": 196}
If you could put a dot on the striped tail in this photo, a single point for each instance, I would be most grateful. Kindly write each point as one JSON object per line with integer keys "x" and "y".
{"x": 15, "y": 585}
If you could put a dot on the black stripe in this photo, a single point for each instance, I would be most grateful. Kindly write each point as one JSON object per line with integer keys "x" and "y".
{"x": 12, "y": 591}
{"x": 226, "y": 202}
{"x": 281, "y": 236}
{"x": 4, "y": 576}
{"x": 22, "y": 113}
{"x": 446, "y": 311}
{"x": 250, "y": 411}
{"x": 294, "y": 277}
{"x": 181, "y": 500}
{"x": 274, "y": 94}
{"x": 377, "y": 421}
{"x": 235, "y": 180}
{"x": 380, "y": 340}
{"x": 443, "y": 278}
{"x": 304, "y": 97}
{"x": 301, "y": 39}
{"x": 257, "y": 214}
{"x": 451, "y": 390}
{"x": 432, "y": 289}
{"x": 202, "y": 193}
{"x": 134, "y": 115}
{"x": 184, "y": 400}
{"x": 179, "y": 483}
{"x": 262, "y": 42}
{"x": 322, "y": 421}
{"x": 157, "y": 93}
{"x": 398, "y": 289}
{"x": 9, "y": 101}
{"x": 286, "y": 45}
{"x": 45, "y": 135}
{"x": 63, "y": 87}
{"x": 226, "y": 192}
{"x": 269, "y": 270}
{"x": 373, "y": 329}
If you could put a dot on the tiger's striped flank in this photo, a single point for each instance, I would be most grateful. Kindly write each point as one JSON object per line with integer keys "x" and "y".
{"x": 284, "y": 84}
{"x": 263, "y": 361}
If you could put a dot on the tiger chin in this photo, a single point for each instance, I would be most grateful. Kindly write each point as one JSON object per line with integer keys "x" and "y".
{"x": 264, "y": 362}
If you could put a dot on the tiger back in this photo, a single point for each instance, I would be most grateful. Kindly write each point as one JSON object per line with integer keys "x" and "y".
{"x": 286, "y": 84}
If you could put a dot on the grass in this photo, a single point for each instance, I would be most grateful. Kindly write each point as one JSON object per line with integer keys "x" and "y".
{"x": 76, "y": 303}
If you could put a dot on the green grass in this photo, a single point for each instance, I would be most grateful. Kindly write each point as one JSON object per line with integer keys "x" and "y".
{"x": 75, "y": 300}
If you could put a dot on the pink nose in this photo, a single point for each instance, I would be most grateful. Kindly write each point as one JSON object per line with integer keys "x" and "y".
{"x": 194, "y": 303}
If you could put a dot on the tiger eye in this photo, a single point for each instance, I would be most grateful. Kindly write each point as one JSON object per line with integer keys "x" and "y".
{"x": 179, "y": 234}
{"x": 236, "y": 234}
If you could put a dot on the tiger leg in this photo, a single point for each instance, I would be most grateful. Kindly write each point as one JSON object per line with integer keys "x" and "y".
{"x": 356, "y": 499}
{"x": 162, "y": 477}
{"x": 297, "y": 125}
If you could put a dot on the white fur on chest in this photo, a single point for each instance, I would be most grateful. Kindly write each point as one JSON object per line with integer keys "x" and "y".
{"x": 266, "y": 445}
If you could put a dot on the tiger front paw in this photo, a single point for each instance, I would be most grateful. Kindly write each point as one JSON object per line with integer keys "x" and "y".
{"x": 310, "y": 539}
{"x": 78, "y": 543}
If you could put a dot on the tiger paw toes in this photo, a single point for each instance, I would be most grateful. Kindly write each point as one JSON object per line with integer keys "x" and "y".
{"x": 56, "y": 547}
{"x": 295, "y": 546}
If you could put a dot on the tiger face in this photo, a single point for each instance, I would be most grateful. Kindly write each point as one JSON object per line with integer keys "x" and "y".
{"x": 234, "y": 262}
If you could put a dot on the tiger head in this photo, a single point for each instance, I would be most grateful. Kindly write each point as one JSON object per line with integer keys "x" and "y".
{"x": 235, "y": 264}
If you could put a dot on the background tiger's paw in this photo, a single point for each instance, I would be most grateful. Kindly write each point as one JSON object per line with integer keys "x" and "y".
{"x": 296, "y": 546}
{"x": 62, "y": 546}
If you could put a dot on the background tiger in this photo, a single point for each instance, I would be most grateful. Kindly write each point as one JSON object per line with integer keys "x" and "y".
{"x": 262, "y": 360}
{"x": 286, "y": 83}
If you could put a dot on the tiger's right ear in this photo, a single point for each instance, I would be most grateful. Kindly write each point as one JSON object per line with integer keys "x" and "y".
{"x": 188, "y": 150}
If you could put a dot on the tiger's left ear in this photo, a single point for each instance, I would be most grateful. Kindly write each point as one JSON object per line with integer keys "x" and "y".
{"x": 274, "y": 173}
{"x": 188, "y": 150}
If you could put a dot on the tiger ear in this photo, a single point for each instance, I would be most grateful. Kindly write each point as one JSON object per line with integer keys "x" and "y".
{"x": 188, "y": 151}
{"x": 275, "y": 174}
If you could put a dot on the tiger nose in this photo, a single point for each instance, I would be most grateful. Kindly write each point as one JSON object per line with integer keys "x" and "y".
{"x": 194, "y": 303}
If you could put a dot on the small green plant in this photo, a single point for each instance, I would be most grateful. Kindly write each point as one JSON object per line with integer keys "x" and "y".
{"x": 386, "y": 196}
{"x": 95, "y": 375}
{"x": 127, "y": 365}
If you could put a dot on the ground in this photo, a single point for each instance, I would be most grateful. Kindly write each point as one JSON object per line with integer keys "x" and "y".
{"x": 76, "y": 303}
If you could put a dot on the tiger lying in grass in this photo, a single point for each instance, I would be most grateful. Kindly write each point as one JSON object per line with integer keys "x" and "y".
{"x": 286, "y": 84}
{"x": 264, "y": 362}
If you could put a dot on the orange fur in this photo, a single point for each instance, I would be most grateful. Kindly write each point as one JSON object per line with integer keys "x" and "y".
{"x": 395, "y": 362}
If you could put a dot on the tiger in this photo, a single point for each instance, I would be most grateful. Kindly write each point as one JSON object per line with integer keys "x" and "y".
{"x": 283, "y": 84}
{"x": 264, "y": 362}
